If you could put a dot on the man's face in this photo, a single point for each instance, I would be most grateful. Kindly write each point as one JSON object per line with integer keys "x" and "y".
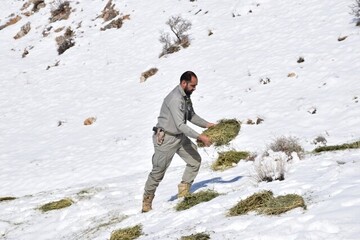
{"x": 189, "y": 87}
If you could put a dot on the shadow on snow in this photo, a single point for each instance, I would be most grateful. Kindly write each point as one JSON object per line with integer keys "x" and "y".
{"x": 205, "y": 183}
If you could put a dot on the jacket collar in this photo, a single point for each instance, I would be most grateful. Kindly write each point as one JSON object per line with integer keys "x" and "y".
{"x": 182, "y": 91}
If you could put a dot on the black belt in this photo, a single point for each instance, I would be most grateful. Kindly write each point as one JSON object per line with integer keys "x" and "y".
{"x": 166, "y": 132}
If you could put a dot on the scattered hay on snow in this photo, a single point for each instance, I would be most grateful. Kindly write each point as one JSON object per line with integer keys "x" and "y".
{"x": 129, "y": 233}
{"x": 344, "y": 146}
{"x": 196, "y": 198}
{"x": 265, "y": 203}
{"x": 63, "y": 203}
{"x": 228, "y": 159}
{"x": 3, "y": 199}
{"x": 197, "y": 236}
{"x": 223, "y": 132}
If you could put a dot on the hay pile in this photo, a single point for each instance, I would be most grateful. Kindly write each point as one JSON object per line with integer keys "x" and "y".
{"x": 129, "y": 233}
{"x": 228, "y": 159}
{"x": 63, "y": 203}
{"x": 197, "y": 236}
{"x": 265, "y": 203}
{"x": 344, "y": 146}
{"x": 196, "y": 198}
{"x": 223, "y": 132}
{"x": 3, "y": 199}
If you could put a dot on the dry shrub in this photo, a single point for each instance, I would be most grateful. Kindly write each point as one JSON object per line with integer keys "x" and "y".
{"x": 109, "y": 12}
{"x": 116, "y": 23}
{"x": 342, "y": 38}
{"x": 90, "y": 120}
{"x": 288, "y": 145}
{"x": 292, "y": 74}
{"x": 265, "y": 203}
{"x": 273, "y": 166}
{"x": 228, "y": 159}
{"x": 38, "y": 4}
{"x": 129, "y": 233}
{"x": 65, "y": 41}
{"x": 257, "y": 121}
{"x": 61, "y": 11}
{"x": 196, "y": 198}
{"x": 223, "y": 132}
{"x": 197, "y": 236}
{"x": 12, "y": 21}
{"x": 63, "y": 203}
{"x": 178, "y": 27}
{"x": 145, "y": 75}
{"x": 25, "y": 29}
{"x": 301, "y": 60}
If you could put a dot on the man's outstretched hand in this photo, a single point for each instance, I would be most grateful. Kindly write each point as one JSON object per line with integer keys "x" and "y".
{"x": 205, "y": 139}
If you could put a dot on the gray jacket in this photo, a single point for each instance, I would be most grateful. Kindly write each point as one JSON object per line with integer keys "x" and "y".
{"x": 175, "y": 111}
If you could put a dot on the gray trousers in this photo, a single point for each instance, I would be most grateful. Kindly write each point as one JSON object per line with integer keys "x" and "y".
{"x": 163, "y": 155}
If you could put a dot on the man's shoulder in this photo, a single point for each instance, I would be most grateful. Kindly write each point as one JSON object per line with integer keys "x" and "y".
{"x": 175, "y": 94}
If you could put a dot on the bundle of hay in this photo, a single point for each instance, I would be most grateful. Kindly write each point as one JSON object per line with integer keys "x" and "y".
{"x": 223, "y": 132}
{"x": 129, "y": 233}
{"x": 63, "y": 203}
{"x": 197, "y": 236}
{"x": 196, "y": 198}
{"x": 265, "y": 203}
{"x": 228, "y": 159}
{"x": 3, "y": 199}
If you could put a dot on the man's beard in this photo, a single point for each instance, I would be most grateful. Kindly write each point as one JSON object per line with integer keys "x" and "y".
{"x": 188, "y": 92}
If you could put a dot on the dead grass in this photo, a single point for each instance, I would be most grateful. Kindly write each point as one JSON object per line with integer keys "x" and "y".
{"x": 145, "y": 75}
{"x": 12, "y": 21}
{"x": 197, "y": 236}
{"x": 345, "y": 146}
{"x": 109, "y": 12}
{"x": 228, "y": 159}
{"x": 25, "y": 29}
{"x": 129, "y": 233}
{"x": 223, "y": 132}
{"x": 196, "y": 198}
{"x": 61, "y": 12}
{"x": 3, "y": 199}
{"x": 265, "y": 203}
{"x": 63, "y": 203}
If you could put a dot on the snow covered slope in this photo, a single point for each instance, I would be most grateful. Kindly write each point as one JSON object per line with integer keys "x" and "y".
{"x": 248, "y": 68}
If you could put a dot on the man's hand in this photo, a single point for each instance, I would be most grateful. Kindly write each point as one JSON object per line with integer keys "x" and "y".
{"x": 205, "y": 139}
{"x": 210, "y": 125}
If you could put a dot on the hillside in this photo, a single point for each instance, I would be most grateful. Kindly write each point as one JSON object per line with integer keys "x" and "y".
{"x": 293, "y": 65}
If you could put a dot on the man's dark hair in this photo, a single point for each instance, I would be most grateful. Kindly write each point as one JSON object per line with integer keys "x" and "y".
{"x": 186, "y": 76}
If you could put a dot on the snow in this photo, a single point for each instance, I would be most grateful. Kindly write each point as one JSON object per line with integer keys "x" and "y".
{"x": 103, "y": 167}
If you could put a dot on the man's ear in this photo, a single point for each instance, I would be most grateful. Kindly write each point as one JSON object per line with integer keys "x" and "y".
{"x": 183, "y": 84}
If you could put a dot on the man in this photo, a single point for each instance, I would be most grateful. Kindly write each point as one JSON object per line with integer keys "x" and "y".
{"x": 171, "y": 135}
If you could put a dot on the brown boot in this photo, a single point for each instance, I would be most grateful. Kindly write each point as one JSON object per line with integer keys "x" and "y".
{"x": 184, "y": 189}
{"x": 147, "y": 203}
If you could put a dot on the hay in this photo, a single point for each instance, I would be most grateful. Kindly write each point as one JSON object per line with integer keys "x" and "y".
{"x": 282, "y": 204}
{"x": 265, "y": 203}
{"x": 223, "y": 132}
{"x": 345, "y": 146}
{"x": 3, "y": 199}
{"x": 228, "y": 159}
{"x": 252, "y": 203}
{"x": 63, "y": 203}
{"x": 129, "y": 233}
{"x": 196, "y": 198}
{"x": 197, "y": 236}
